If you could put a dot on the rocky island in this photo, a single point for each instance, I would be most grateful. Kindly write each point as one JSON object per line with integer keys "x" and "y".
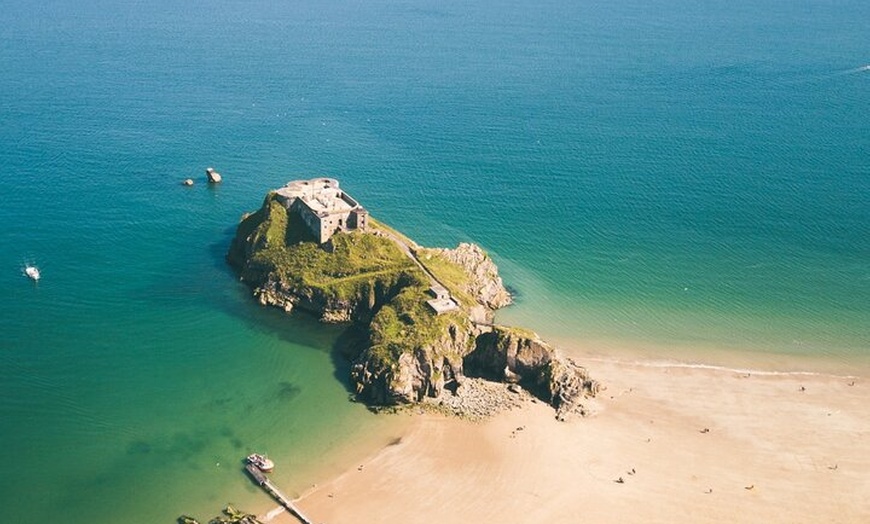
{"x": 421, "y": 318}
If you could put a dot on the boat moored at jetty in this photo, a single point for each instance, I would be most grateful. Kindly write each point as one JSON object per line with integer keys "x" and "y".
{"x": 261, "y": 462}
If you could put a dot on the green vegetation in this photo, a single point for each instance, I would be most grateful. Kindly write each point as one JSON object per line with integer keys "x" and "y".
{"x": 230, "y": 516}
{"x": 378, "y": 225}
{"x": 354, "y": 265}
{"x": 454, "y": 278}
{"x": 518, "y": 332}
{"x": 356, "y": 260}
{"x": 406, "y": 324}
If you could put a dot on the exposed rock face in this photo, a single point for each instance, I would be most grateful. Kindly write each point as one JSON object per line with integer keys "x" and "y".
{"x": 415, "y": 375}
{"x": 484, "y": 283}
{"x": 502, "y": 349}
{"x": 515, "y": 355}
{"x": 568, "y": 384}
{"x": 412, "y": 378}
{"x": 213, "y": 176}
{"x": 270, "y": 291}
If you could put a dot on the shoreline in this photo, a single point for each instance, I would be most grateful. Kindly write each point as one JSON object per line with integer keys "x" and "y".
{"x": 666, "y": 364}
{"x": 780, "y": 446}
{"x": 709, "y": 356}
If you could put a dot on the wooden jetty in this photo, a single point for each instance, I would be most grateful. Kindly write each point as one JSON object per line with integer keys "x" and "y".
{"x": 263, "y": 481}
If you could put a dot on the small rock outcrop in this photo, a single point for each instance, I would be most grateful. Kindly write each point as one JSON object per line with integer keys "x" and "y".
{"x": 520, "y": 356}
{"x": 484, "y": 282}
{"x": 213, "y": 176}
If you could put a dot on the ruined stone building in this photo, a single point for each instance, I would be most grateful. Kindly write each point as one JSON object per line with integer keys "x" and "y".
{"x": 323, "y": 206}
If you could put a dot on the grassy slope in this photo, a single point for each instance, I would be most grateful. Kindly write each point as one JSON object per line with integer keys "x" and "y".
{"x": 454, "y": 278}
{"x": 357, "y": 263}
{"x": 451, "y": 275}
{"x": 407, "y": 323}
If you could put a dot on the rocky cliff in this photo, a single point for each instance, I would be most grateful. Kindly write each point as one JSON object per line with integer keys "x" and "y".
{"x": 520, "y": 356}
{"x": 379, "y": 281}
{"x": 483, "y": 281}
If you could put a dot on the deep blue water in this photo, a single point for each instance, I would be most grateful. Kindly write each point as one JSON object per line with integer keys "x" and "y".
{"x": 669, "y": 172}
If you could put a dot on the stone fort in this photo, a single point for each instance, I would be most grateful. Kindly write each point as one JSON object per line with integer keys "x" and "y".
{"x": 323, "y": 206}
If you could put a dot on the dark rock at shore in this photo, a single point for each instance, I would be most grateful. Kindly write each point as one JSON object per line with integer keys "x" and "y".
{"x": 414, "y": 375}
{"x": 517, "y": 355}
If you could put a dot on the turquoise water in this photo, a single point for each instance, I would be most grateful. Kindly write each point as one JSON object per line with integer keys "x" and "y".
{"x": 681, "y": 174}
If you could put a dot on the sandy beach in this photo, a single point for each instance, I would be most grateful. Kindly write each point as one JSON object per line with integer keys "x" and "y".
{"x": 665, "y": 443}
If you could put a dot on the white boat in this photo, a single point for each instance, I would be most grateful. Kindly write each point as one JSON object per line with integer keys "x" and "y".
{"x": 261, "y": 461}
{"x": 32, "y": 272}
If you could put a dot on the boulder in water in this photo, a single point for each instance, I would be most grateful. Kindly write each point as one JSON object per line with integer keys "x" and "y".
{"x": 213, "y": 176}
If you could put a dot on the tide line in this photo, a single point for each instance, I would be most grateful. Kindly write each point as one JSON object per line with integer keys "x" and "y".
{"x": 660, "y": 364}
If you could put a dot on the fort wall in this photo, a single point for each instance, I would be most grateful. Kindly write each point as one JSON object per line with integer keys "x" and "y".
{"x": 323, "y": 206}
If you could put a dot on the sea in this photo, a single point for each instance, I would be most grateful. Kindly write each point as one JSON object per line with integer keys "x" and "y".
{"x": 683, "y": 179}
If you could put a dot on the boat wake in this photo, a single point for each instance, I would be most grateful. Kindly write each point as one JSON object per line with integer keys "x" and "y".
{"x": 854, "y": 70}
